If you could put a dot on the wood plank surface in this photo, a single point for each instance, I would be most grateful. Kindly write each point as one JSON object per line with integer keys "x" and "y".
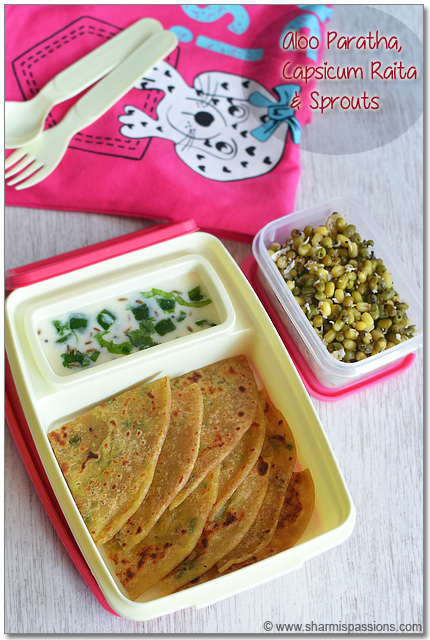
{"x": 376, "y": 576}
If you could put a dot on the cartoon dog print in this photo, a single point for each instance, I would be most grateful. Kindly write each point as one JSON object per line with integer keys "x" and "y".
{"x": 225, "y": 127}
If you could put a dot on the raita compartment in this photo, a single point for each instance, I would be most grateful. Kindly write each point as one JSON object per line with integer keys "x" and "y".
{"x": 115, "y": 318}
{"x": 329, "y": 371}
{"x": 49, "y": 400}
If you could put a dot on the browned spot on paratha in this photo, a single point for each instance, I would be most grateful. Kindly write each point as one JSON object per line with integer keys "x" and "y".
{"x": 97, "y": 447}
{"x": 280, "y": 442}
{"x": 229, "y": 389}
{"x": 236, "y": 466}
{"x": 174, "y": 465}
{"x": 170, "y": 540}
{"x": 223, "y": 532}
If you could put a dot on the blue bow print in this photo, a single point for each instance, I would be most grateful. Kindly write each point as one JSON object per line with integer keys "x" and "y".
{"x": 278, "y": 112}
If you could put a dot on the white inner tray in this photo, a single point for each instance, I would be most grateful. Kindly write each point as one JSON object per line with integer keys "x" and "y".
{"x": 49, "y": 400}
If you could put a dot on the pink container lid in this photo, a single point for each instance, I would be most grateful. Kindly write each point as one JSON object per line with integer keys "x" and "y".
{"x": 57, "y": 265}
{"x": 27, "y": 449}
{"x": 36, "y": 272}
{"x": 250, "y": 268}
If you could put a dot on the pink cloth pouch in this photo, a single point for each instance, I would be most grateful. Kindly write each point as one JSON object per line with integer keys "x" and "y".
{"x": 208, "y": 134}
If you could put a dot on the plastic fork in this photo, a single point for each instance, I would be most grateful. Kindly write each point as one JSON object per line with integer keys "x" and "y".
{"x": 24, "y": 120}
{"x": 36, "y": 161}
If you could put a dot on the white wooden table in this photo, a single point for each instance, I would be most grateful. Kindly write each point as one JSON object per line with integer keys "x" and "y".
{"x": 376, "y": 576}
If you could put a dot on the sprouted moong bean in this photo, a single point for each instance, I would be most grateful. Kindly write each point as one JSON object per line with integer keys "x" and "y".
{"x": 344, "y": 290}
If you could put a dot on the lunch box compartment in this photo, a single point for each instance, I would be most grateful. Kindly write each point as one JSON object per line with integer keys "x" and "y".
{"x": 100, "y": 287}
{"x": 49, "y": 400}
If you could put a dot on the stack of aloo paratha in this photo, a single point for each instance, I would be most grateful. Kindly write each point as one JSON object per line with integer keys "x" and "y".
{"x": 183, "y": 480}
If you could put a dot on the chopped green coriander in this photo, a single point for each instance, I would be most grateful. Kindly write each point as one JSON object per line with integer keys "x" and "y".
{"x": 197, "y": 302}
{"x": 184, "y": 570}
{"x": 77, "y": 322}
{"x": 147, "y": 326}
{"x": 148, "y": 342}
{"x": 192, "y": 524}
{"x": 75, "y": 440}
{"x": 78, "y": 359}
{"x": 140, "y": 338}
{"x": 60, "y": 328}
{"x": 181, "y": 316}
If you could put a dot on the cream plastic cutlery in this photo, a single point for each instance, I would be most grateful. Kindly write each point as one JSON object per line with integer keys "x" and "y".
{"x": 46, "y": 152}
{"x": 24, "y": 120}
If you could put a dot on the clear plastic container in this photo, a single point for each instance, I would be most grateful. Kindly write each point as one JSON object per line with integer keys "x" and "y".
{"x": 331, "y": 372}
